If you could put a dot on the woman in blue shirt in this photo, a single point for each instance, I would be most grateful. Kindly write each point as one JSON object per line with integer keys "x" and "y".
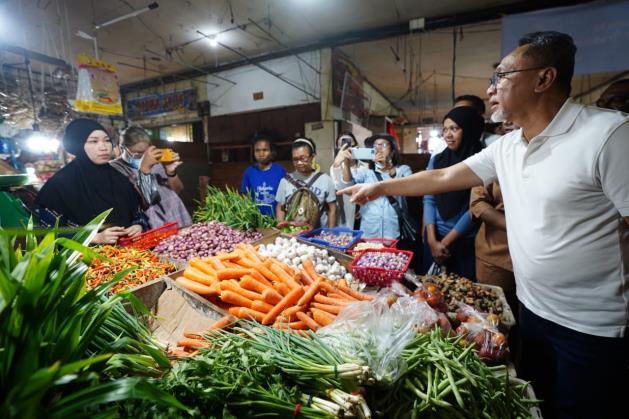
{"x": 378, "y": 218}
{"x": 449, "y": 230}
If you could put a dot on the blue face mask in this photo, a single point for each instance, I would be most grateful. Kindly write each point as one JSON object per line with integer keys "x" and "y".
{"x": 135, "y": 163}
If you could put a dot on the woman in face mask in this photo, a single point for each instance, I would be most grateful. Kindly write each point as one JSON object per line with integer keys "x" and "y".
{"x": 88, "y": 185}
{"x": 449, "y": 229}
{"x": 157, "y": 180}
{"x": 378, "y": 217}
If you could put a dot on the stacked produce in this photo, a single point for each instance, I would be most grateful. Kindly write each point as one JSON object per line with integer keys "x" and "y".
{"x": 233, "y": 209}
{"x": 447, "y": 380}
{"x": 481, "y": 331}
{"x": 293, "y": 253}
{"x": 381, "y": 267}
{"x": 252, "y": 286}
{"x": 457, "y": 290}
{"x": 66, "y": 352}
{"x": 145, "y": 264}
{"x": 265, "y": 372}
{"x": 335, "y": 239}
{"x": 293, "y": 228}
{"x": 203, "y": 240}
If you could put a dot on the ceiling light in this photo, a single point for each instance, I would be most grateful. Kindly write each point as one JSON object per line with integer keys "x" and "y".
{"x": 151, "y": 6}
{"x": 213, "y": 39}
{"x": 434, "y": 133}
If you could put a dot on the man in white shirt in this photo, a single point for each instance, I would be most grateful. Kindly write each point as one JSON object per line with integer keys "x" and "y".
{"x": 565, "y": 181}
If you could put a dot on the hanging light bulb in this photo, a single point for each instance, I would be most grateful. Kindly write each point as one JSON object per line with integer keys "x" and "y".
{"x": 213, "y": 40}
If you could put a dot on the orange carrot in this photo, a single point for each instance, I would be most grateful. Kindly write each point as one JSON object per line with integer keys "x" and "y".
{"x": 251, "y": 253}
{"x": 285, "y": 267}
{"x": 245, "y": 262}
{"x": 233, "y": 286}
{"x": 288, "y": 300}
{"x": 271, "y": 296}
{"x": 332, "y": 301}
{"x": 234, "y": 311}
{"x": 260, "y": 278}
{"x": 298, "y": 325}
{"x": 250, "y": 283}
{"x": 178, "y": 353}
{"x": 330, "y": 288}
{"x": 354, "y": 293}
{"x": 232, "y": 273}
{"x": 267, "y": 273}
{"x": 309, "y": 294}
{"x": 193, "y": 343}
{"x": 202, "y": 266}
{"x": 322, "y": 317}
{"x": 306, "y": 278}
{"x": 223, "y": 322}
{"x": 215, "y": 262}
{"x": 301, "y": 278}
{"x": 312, "y": 325}
{"x": 235, "y": 299}
{"x": 282, "y": 288}
{"x": 247, "y": 313}
{"x": 261, "y": 306}
{"x": 193, "y": 335}
{"x": 309, "y": 269}
{"x": 194, "y": 286}
{"x": 291, "y": 311}
{"x": 329, "y": 308}
{"x": 341, "y": 282}
{"x": 282, "y": 275}
{"x": 228, "y": 256}
{"x": 196, "y": 275}
{"x": 340, "y": 296}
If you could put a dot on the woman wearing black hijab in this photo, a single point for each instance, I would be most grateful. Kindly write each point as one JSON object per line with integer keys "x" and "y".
{"x": 449, "y": 230}
{"x": 88, "y": 186}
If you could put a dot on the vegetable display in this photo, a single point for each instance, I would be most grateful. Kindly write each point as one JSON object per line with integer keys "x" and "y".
{"x": 252, "y": 286}
{"x": 447, "y": 380}
{"x": 293, "y": 252}
{"x": 146, "y": 267}
{"x": 233, "y": 209}
{"x": 204, "y": 239}
{"x": 65, "y": 351}
{"x": 391, "y": 261}
{"x": 457, "y": 289}
{"x": 335, "y": 239}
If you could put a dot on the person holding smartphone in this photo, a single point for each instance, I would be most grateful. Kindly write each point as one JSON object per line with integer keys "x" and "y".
{"x": 157, "y": 180}
{"x": 347, "y": 213}
{"x": 378, "y": 217}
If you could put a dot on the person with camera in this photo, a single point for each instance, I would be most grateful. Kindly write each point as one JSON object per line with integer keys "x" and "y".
{"x": 347, "y": 213}
{"x": 153, "y": 172}
{"x": 379, "y": 217}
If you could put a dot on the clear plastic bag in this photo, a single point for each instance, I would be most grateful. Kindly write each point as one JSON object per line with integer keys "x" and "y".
{"x": 375, "y": 332}
{"x": 481, "y": 330}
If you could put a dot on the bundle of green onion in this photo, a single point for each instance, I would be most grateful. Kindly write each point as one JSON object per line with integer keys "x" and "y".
{"x": 232, "y": 208}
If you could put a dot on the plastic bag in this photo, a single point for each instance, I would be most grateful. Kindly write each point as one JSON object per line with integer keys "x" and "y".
{"x": 481, "y": 330}
{"x": 432, "y": 295}
{"x": 98, "y": 88}
{"x": 436, "y": 269}
{"x": 375, "y": 332}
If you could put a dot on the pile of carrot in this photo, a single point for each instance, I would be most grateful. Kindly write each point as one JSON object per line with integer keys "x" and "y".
{"x": 251, "y": 286}
{"x": 193, "y": 342}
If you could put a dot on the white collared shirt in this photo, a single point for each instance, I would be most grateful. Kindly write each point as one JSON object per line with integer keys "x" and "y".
{"x": 565, "y": 193}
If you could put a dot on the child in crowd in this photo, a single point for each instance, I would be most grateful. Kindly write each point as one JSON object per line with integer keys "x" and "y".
{"x": 262, "y": 178}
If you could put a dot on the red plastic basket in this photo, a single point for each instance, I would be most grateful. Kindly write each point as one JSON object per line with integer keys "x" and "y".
{"x": 379, "y": 276}
{"x": 387, "y": 243}
{"x": 150, "y": 239}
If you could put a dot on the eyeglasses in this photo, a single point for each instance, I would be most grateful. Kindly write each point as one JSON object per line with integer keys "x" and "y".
{"x": 381, "y": 146}
{"x": 499, "y": 75}
{"x": 454, "y": 129}
{"x": 133, "y": 155}
{"x": 303, "y": 159}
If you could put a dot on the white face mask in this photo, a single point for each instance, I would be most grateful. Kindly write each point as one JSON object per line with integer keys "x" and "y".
{"x": 379, "y": 167}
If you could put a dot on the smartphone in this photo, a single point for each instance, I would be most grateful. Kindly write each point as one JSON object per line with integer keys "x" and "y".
{"x": 346, "y": 141}
{"x": 363, "y": 153}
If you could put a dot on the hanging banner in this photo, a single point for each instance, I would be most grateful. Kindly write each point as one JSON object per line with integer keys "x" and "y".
{"x": 98, "y": 88}
{"x": 162, "y": 104}
{"x": 600, "y": 32}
